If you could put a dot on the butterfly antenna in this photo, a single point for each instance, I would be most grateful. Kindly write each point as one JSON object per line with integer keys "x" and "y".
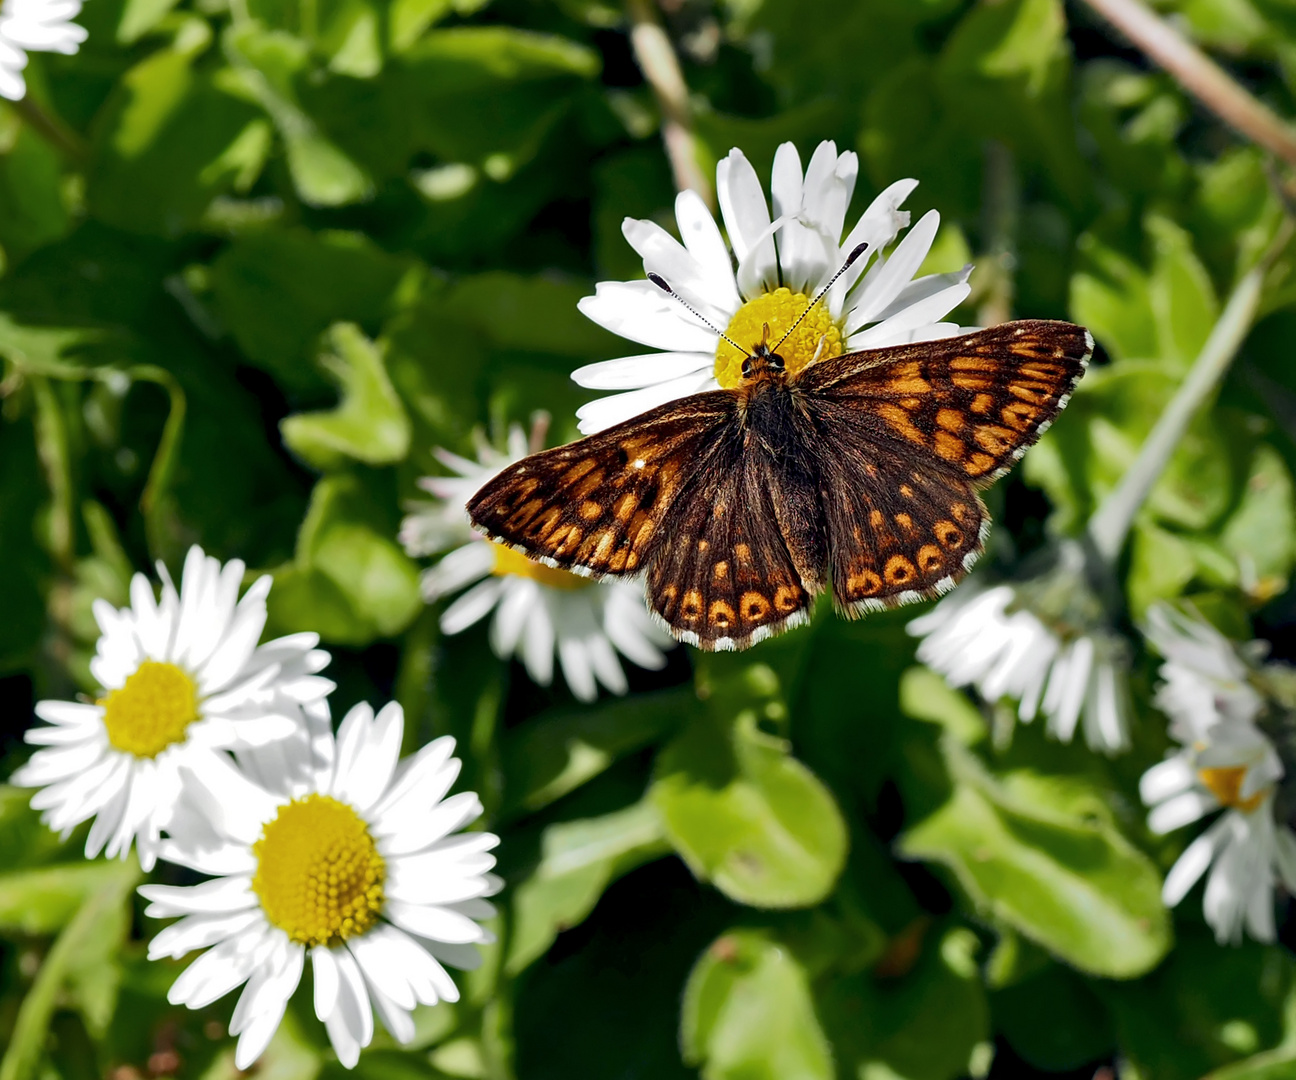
{"x": 664, "y": 285}
{"x": 850, "y": 260}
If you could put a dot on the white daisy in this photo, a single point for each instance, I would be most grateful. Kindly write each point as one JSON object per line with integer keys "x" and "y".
{"x": 538, "y": 610}
{"x": 1066, "y": 664}
{"x": 781, "y": 264}
{"x": 34, "y": 26}
{"x": 345, "y": 855}
{"x": 181, "y": 678}
{"x": 1226, "y": 762}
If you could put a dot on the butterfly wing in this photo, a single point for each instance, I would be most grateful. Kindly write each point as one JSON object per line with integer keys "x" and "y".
{"x": 909, "y": 433}
{"x": 596, "y": 506}
{"x": 676, "y": 493}
{"x": 723, "y": 576}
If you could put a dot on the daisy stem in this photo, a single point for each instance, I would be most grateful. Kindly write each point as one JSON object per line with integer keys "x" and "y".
{"x": 661, "y": 68}
{"x": 1111, "y": 523}
{"x": 52, "y": 129}
{"x": 1197, "y": 73}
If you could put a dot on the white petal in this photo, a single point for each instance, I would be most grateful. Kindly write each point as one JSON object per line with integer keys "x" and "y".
{"x": 456, "y": 569}
{"x": 604, "y": 412}
{"x": 632, "y": 372}
{"x": 898, "y": 327}
{"x": 702, "y": 237}
{"x": 895, "y": 273}
{"x": 220, "y": 895}
{"x": 437, "y": 923}
{"x": 471, "y": 607}
{"x": 1180, "y": 810}
{"x": 747, "y": 220}
{"x": 640, "y": 311}
{"x": 1191, "y": 865}
{"x": 365, "y": 767}
{"x": 1167, "y": 778}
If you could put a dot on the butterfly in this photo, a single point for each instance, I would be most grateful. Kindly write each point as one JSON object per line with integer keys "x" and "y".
{"x": 859, "y": 473}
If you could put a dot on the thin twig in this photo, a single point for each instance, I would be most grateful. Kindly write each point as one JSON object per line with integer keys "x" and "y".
{"x": 661, "y": 68}
{"x": 1111, "y": 522}
{"x": 1200, "y": 76}
{"x": 1000, "y": 210}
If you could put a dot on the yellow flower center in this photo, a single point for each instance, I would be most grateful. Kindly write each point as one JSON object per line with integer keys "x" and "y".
{"x": 510, "y": 562}
{"x": 151, "y": 711}
{"x": 780, "y": 309}
{"x": 1226, "y": 785}
{"x": 319, "y": 876}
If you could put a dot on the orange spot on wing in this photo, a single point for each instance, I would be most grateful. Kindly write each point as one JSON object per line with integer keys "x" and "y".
{"x": 899, "y": 571}
{"x": 949, "y": 419}
{"x": 899, "y": 421}
{"x": 948, "y": 446}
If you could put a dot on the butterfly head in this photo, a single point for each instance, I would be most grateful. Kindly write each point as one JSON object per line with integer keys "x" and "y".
{"x": 762, "y": 359}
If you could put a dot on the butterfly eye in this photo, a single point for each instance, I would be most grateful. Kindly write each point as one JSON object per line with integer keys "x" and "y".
{"x": 775, "y": 362}
{"x": 746, "y": 368}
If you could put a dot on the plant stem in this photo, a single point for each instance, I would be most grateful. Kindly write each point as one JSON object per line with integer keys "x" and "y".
{"x": 661, "y": 68}
{"x": 1200, "y": 76}
{"x": 52, "y": 129}
{"x": 1001, "y": 207}
{"x": 1111, "y": 523}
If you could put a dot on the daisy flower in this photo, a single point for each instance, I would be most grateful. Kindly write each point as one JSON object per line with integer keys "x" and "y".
{"x": 782, "y": 261}
{"x": 1225, "y": 762}
{"x": 344, "y": 855}
{"x": 182, "y": 678}
{"x": 1039, "y": 642}
{"x": 34, "y": 26}
{"x": 539, "y": 610}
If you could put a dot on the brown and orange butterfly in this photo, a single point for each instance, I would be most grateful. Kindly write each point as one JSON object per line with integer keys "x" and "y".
{"x": 740, "y": 505}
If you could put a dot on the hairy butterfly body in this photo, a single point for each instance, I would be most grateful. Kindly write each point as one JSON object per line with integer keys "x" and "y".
{"x": 859, "y": 473}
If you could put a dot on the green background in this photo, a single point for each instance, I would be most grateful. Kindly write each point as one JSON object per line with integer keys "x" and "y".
{"x": 261, "y": 256}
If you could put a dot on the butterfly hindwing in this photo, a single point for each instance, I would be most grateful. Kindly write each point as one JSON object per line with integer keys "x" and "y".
{"x": 896, "y": 532}
{"x": 596, "y": 506}
{"x": 974, "y": 403}
{"x": 722, "y": 576}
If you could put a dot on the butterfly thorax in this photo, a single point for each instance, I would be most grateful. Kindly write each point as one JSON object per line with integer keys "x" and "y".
{"x": 762, "y": 360}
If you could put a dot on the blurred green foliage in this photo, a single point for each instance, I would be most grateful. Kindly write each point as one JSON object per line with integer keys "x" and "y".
{"x": 259, "y": 257}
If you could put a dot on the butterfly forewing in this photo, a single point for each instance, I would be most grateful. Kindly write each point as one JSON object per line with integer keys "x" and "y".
{"x": 595, "y": 506}
{"x": 974, "y": 403}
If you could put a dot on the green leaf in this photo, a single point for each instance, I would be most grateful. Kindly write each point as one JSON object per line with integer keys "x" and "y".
{"x": 929, "y": 1023}
{"x": 278, "y": 291}
{"x": 491, "y": 95}
{"x": 551, "y": 755}
{"x": 578, "y": 861}
{"x": 266, "y": 65}
{"x": 351, "y": 582}
{"x": 81, "y": 959}
{"x": 748, "y": 1014}
{"x": 25, "y": 563}
{"x": 1205, "y": 1008}
{"x": 1111, "y": 295}
{"x": 1054, "y": 1021}
{"x": 45, "y": 899}
{"x": 1065, "y": 879}
{"x": 32, "y": 210}
{"x": 924, "y": 695}
{"x": 740, "y": 810}
{"x": 1184, "y": 305}
{"x": 1260, "y": 533}
{"x": 369, "y": 424}
{"x": 163, "y": 135}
